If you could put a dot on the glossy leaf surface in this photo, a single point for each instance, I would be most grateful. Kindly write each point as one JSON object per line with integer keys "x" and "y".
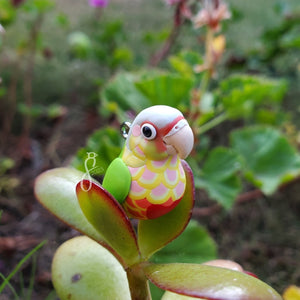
{"x": 55, "y": 189}
{"x": 172, "y": 296}
{"x": 108, "y": 218}
{"x": 156, "y": 233}
{"x": 209, "y": 282}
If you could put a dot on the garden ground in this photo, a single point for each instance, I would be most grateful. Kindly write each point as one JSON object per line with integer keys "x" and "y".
{"x": 262, "y": 234}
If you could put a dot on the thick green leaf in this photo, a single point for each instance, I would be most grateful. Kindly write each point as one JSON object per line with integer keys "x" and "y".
{"x": 109, "y": 219}
{"x": 155, "y": 233}
{"x": 165, "y": 88}
{"x": 194, "y": 245}
{"x": 219, "y": 176}
{"x": 209, "y": 282}
{"x": 172, "y": 296}
{"x": 55, "y": 189}
{"x": 269, "y": 159}
{"x": 82, "y": 269}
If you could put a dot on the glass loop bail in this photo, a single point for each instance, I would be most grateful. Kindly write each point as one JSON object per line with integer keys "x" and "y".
{"x": 124, "y": 128}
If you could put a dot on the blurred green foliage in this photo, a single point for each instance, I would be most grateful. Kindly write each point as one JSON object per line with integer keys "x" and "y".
{"x": 250, "y": 98}
{"x": 106, "y": 143}
{"x": 103, "y": 46}
{"x": 249, "y": 90}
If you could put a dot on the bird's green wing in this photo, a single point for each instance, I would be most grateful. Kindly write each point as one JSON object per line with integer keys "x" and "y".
{"x": 117, "y": 180}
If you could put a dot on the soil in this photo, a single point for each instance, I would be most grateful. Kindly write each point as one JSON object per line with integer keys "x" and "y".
{"x": 262, "y": 234}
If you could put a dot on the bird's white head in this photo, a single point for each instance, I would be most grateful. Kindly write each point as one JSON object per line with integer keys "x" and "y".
{"x": 158, "y": 132}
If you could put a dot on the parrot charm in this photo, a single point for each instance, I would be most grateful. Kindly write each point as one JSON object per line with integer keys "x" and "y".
{"x": 148, "y": 178}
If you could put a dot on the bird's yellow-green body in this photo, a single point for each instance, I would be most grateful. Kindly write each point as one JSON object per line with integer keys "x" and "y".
{"x": 156, "y": 187}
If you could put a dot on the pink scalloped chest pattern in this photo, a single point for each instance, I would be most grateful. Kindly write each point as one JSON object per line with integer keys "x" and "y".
{"x": 156, "y": 188}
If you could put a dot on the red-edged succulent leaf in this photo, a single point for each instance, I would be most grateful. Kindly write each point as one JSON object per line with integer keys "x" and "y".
{"x": 156, "y": 233}
{"x": 55, "y": 190}
{"x": 109, "y": 219}
{"x": 208, "y": 282}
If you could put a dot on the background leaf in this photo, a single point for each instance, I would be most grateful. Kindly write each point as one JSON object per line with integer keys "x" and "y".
{"x": 240, "y": 95}
{"x": 194, "y": 245}
{"x": 107, "y": 143}
{"x": 269, "y": 159}
{"x": 121, "y": 94}
{"x": 184, "y": 63}
{"x": 219, "y": 176}
{"x": 128, "y": 91}
{"x": 165, "y": 88}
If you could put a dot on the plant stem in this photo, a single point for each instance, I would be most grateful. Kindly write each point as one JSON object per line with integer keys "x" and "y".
{"x": 164, "y": 52}
{"x": 138, "y": 283}
{"x": 208, "y": 61}
{"x": 241, "y": 199}
{"x": 28, "y": 76}
{"x": 212, "y": 123}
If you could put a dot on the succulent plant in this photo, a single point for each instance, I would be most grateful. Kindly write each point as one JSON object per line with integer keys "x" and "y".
{"x": 83, "y": 266}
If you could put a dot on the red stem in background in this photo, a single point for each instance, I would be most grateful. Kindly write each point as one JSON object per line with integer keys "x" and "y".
{"x": 177, "y": 23}
{"x": 242, "y": 198}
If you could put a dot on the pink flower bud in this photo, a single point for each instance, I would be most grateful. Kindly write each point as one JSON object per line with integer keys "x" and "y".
{"x": 98, "y": 3}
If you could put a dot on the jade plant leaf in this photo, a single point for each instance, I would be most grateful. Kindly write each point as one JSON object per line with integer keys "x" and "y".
{"x": 83, "y": 269}
{"x": 269, "y": 159}
{"x": 109, "y": 219}
{"x": 219, "y": 176}
{"x": 55, "y": 190}
{"x": 208, "y": 282}
{"x": 193, "y": 245}
{"x": 155, "y": 233}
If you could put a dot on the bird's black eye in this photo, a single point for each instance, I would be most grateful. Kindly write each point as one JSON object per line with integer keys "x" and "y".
{"x": 148, "y": 131}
